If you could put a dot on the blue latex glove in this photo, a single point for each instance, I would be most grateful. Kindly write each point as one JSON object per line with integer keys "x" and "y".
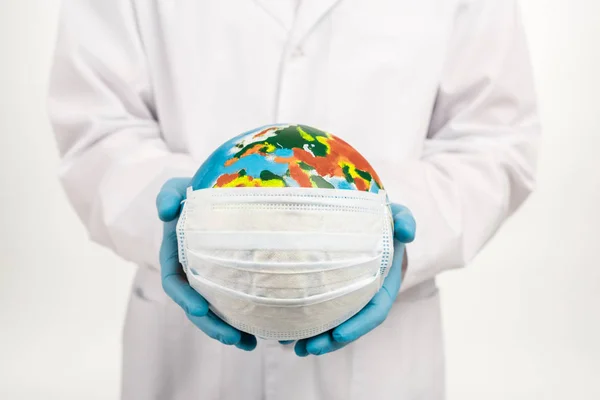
{"x": 376, "y": 311}
{"x": 174, "y": 281}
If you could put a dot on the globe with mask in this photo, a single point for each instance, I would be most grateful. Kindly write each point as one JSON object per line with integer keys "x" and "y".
{"x": 286, "y": 231}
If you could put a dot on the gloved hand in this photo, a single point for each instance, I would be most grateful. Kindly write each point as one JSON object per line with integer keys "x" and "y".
{"x": 174, "y": 281}
{"x": 376, "y": 311}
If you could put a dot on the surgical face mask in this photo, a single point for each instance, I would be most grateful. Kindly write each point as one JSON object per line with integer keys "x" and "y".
{"x": 285, "y": 263}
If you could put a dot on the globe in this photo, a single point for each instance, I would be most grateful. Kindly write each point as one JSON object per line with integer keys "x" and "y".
{"x": 287, "y": 156}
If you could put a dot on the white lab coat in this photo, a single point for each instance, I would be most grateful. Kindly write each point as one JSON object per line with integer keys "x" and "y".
{"x": 436, "y": 94}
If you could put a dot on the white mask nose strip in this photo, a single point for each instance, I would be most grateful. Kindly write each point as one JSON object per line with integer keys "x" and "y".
{"x": 285, "y": 263}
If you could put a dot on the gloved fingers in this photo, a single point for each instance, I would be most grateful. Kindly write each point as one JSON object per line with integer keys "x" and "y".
{"x": 286, "y": 341}
{"x": 376, "y": 311}
{"x": 367, "y": 319}
{"x": 247, "y": 342}
{"x": 178, "y": 289}
{"x": 404, "y": 224}
{"x": 300, "y": 348}
{"x": 169, "y": 253}
{"x": 174, "y": 281}
{"x": 322, "y": 344}
{"x": 168, "y": 200}
{"x": 398, "y": 208}
{"x": 215, "y": 328}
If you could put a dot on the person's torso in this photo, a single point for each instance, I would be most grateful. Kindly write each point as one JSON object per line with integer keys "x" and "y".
{"x": 365, "y": 70}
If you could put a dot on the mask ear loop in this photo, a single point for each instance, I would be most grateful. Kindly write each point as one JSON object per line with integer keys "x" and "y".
{"x": 188, "y": 193}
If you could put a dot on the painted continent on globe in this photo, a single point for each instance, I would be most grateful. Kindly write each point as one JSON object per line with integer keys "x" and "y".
{"x": 287, "y": 156}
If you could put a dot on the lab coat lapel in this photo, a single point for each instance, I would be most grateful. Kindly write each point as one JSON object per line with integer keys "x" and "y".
{"x": 309, "y": 14}
{"x": 275, "y": 11}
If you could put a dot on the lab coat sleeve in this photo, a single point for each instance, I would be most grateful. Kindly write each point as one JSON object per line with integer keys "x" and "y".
{"x": 113, "y": 158}
{"x": 478, "y": 161}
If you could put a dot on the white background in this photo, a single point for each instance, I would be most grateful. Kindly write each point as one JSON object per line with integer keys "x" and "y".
{"x": 521, "y": 322}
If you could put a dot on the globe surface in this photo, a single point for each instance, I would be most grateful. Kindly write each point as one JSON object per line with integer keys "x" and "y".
{"x": 287, "y": 156}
